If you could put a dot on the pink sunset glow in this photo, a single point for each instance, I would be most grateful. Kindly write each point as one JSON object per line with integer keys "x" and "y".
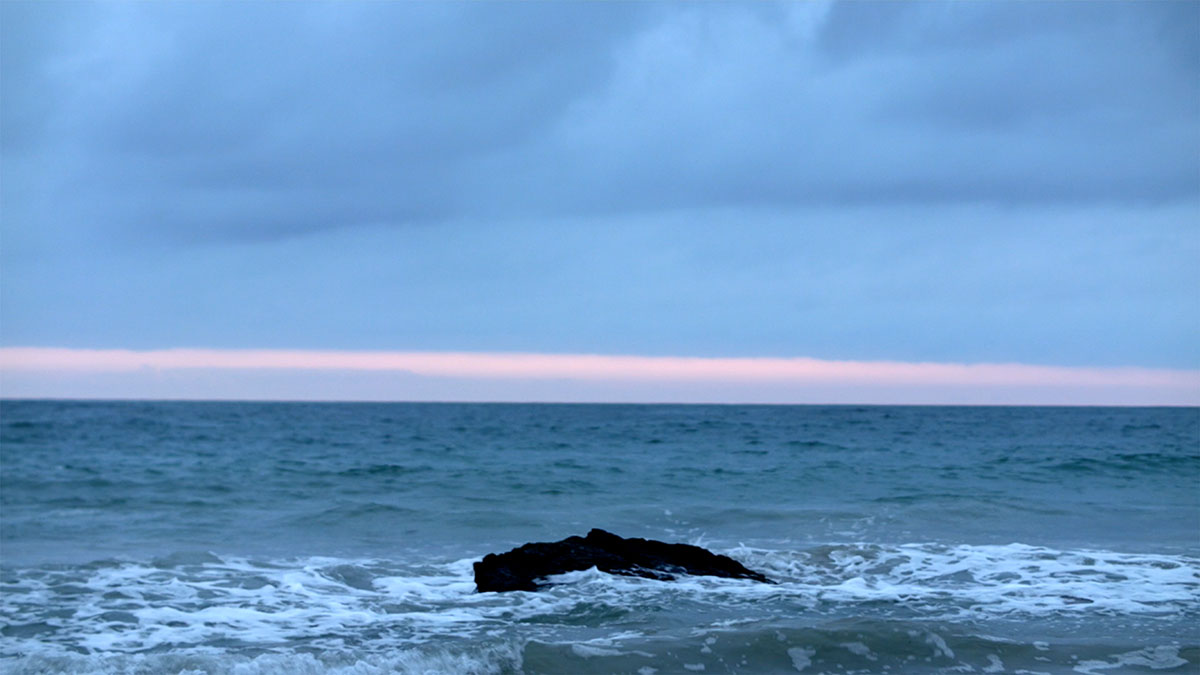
{"x": 1160, "y": 385}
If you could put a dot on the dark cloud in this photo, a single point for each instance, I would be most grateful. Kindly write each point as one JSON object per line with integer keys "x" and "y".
{"x": 201, "y": 120}
{"x": 257, "y": 118}
{"x": 926, "y": 181}
{"x": 1078, "y": 112}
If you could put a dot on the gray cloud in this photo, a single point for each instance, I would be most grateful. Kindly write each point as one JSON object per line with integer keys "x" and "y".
{"x": 256, "y": 120}
{"x": 1080, "y": 112}
{"x": 958, "y": 181}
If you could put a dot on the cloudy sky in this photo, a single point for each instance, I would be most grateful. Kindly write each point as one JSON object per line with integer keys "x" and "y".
{"x": 856, "y": 202}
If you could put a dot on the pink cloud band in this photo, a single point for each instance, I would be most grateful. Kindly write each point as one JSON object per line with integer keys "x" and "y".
{"x": 594, "y": 367}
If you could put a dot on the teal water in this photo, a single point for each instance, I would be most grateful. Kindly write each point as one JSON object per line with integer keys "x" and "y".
{"x": 295, "y": 537}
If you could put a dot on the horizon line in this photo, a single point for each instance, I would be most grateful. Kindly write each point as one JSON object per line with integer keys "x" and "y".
{"x": 459, "y": 376}
{"x": 733, "y": 403}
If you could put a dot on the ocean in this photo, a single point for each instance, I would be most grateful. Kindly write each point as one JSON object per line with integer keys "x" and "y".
{"x": 224, "y": 537}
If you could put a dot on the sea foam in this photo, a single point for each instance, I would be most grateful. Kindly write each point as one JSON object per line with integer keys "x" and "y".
{"x": 374, "y": 605}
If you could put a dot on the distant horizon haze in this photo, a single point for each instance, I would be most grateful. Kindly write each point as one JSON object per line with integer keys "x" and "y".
{"x": 329, "y": 375}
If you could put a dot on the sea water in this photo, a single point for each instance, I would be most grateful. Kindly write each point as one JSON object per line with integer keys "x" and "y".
{"x": 191, "y": 537}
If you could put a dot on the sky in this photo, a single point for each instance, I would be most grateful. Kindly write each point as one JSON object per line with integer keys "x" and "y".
{"x": 800, "y": 202}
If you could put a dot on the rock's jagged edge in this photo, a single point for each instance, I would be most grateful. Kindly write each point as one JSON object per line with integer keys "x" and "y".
{"x": 525, "y": 568}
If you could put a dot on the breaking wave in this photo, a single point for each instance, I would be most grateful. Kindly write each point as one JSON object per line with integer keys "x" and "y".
{"x": 200, "y": 612}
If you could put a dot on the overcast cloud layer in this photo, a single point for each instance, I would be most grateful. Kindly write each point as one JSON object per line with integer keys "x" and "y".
{"x": 966, "y": 182}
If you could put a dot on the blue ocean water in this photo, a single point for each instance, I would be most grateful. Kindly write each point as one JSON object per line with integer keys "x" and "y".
{"x": 212, "y": 537}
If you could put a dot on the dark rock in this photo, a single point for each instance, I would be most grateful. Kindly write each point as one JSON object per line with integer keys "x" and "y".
{"x": 525, "y": 568}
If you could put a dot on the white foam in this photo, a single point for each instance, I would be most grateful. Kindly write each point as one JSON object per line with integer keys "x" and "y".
{"x": 376, "y": 606}
{"x": 588, "y": 651}
{"x": 198, "y": 661}
{"x": 1008, "y": 579}
{"x": 590, "y": 575}
{"x": 279, "y": 603}
{"x": 801, "y": 657}
{"x": 859, "y": 649}
{"x": 1155, "y": 658}
{"x": 939, "y": 645}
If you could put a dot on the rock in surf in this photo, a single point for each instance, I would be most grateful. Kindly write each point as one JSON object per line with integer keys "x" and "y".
{"x": 525, "y": 568}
